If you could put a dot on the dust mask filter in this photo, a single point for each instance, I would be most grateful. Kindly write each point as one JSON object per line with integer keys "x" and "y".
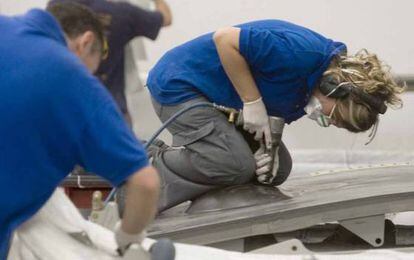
{"x": 314, "y": 111}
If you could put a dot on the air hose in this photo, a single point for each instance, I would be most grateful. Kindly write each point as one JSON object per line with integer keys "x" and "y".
{"x": 165, "y": 125}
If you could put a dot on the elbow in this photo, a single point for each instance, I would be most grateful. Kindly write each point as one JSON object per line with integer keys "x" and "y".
{"x": 220, "y": 35}
{"x": 162, "y": 7}
{"x": 147, "y": 181}
{"x": 226, "y": 36}
{"x": 167, "y": 20}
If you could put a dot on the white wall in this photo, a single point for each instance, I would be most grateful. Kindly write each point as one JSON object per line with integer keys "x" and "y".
{"x": 12, "y": 7}
{"x": 382, "y": 26}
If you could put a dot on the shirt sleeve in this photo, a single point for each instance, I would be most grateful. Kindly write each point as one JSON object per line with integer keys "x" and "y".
{"x": 265, "y": 51}
{"x": 109, "y": 148}
{"x": 138, "y": 21}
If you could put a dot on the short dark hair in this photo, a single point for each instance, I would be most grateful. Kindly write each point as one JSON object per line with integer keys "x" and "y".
{"x": 76, "y": 19}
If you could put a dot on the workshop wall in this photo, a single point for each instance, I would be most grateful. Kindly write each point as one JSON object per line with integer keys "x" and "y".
{"x": 382, "y": 26}
{"x": 20, "y": 6}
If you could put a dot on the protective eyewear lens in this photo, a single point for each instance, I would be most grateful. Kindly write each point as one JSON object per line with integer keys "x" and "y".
{"x": 105, "y": 50}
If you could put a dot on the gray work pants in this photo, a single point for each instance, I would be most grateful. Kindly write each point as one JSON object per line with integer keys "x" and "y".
{"x": 208, "y": 152}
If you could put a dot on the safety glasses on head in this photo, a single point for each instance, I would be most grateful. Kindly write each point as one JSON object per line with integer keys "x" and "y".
{"x": 105, "y": 49}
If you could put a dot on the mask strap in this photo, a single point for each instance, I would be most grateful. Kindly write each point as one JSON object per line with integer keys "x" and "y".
{"x": 373, "y": 132}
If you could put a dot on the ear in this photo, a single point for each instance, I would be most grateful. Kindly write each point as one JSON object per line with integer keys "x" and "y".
{"x": 85, "y": 43}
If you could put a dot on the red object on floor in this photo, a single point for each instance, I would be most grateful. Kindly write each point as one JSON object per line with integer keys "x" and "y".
{"x": 82, "y": 198}
{"x": 80, "y": 188}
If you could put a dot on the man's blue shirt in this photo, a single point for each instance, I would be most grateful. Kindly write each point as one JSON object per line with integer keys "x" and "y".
{"x": 124, "y": 22}
{"x": 286, "y": 60}
{"x": 54, "y": 114}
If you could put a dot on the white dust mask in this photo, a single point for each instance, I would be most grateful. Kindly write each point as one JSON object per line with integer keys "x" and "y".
{"x": 314, "y": 111}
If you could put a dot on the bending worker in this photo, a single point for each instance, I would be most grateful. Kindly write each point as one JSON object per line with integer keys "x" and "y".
{"x": 55, "y": 115}
{"x": 123, "y": 22}
{"x": 266, "y": 68}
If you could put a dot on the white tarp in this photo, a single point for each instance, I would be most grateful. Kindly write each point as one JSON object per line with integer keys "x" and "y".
{"x": 47, "y": 234}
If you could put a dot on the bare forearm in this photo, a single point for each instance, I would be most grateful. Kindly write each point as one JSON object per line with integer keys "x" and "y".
{"x": 236, "y": 67}
{"x": 164, "y": 9}
{"x": 141, "y": 200}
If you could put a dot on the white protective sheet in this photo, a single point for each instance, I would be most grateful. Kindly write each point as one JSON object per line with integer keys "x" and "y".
{"x": 47, "y": 236}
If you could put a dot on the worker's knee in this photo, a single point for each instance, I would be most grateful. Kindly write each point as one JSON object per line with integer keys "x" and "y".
{"x": 235, "y": 159}
{"x": 232, "y": 167}
{"x": 247, "y": 169}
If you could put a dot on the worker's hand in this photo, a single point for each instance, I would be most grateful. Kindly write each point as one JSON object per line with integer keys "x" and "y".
{"x": 266, "y": 166}
{"x": 256, "y": 121}
{"x": 263, "y": 161}
{"x": 124, "y": 240}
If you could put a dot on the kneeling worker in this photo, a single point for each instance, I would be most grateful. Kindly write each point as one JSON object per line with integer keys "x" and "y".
{"x": 55, "y": 115}
{"x": 266, "y": 68}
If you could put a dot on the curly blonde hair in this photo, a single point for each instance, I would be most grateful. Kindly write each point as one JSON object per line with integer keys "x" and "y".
{"x": 364, "y": 70}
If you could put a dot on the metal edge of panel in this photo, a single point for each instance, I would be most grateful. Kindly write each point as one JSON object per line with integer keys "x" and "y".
{"x": 290, "y": 220}
{"x": 189, "y": 221}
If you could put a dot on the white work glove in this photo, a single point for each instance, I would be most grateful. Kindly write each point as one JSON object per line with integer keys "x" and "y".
{"x": 124, "y": 240}
{"x": 256, "y": 120}
{"x": 265, "y": 171}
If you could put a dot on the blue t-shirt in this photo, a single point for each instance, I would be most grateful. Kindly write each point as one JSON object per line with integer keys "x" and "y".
{"x": 125, "y": 22}
{"x": 54, "y": 114}
{"x": 286, "y": 60}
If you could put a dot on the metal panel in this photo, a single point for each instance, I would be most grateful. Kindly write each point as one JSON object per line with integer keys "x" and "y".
{"x": 307, "y": 201}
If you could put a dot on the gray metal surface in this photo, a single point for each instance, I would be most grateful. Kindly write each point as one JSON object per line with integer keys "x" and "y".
{"x": 305, "y": 201}
{"x": 239, "y": 196}
{"x": 290, "y": 247}
{"x": 371, "y": 228}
